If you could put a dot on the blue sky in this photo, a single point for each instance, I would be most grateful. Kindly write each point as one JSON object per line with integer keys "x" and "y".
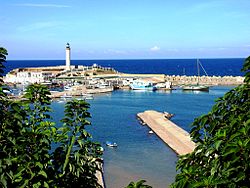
{"x": 130, "y": 29}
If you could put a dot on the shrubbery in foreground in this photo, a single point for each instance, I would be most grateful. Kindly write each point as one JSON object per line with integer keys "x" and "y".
{"x": 221, "y": 158}
{"x": 27, "y": 134}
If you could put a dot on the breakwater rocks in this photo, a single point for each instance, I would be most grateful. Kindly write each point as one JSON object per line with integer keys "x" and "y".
{"x": 206, "y": 80}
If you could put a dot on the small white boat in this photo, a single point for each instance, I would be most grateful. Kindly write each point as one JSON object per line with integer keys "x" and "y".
{"x": 151, "y": 132}
{"x": 67, "y": 88}
{"x": 111, "y": 144}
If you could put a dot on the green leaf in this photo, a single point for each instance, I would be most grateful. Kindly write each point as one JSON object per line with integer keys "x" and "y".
{"x": 39, "y": 165}
{"x": 217, "y": 144}
{"x": 45, "y": 184}
{"x": 42, "y": 173}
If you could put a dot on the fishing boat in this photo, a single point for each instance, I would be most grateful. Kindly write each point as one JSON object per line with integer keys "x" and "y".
{"x": 111, "y": 144}
{"x": 142, "y": 85}
{"x": 197, "y": 87}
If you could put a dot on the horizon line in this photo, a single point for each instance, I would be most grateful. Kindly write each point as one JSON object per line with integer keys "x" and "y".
{"x": 106, "y": 59}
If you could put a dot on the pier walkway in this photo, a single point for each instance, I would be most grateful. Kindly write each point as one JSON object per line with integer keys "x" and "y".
{"x": 174, "y": 136}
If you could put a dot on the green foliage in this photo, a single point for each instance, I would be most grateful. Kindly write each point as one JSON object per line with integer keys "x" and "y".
{"x": 27, "y": 134}
{"x": 221, "y": 158}
{"x": 77, "y": 155}
{"x": 3, "y": 54}
{"x": 139, "y": 184}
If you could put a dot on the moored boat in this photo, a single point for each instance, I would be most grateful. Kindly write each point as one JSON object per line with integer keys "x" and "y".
{"x": 197, "y": 87}
{"x": 142, "y": 85}
{"x": 111, "y": 144}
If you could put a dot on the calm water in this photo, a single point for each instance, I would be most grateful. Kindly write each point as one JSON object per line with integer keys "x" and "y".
{"x": 217, "y": 67}
{"x": 140, "y": 155}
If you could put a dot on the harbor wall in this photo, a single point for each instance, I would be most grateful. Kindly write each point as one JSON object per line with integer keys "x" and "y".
{"x": 206, "y": 80}
{"x": 185, "y": 80}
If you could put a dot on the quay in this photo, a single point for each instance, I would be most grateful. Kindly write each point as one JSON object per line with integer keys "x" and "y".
{"x": 80, "y": 92}
{"x": 174, "y": 136}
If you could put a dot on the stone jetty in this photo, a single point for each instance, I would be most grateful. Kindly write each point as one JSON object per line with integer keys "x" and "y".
{"x": 204, "y": 80}
{"x": 174, "y": 136}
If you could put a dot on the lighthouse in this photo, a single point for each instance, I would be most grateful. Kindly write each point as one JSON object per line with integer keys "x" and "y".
{"x": 67, "y": 57}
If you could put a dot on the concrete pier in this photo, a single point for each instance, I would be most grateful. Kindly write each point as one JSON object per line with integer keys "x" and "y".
{"x": 174, "y": 136}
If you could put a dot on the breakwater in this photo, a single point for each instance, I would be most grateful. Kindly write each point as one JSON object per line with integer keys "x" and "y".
{"x": 178, "y": 80}
{"x": 206, "y": 80}
{"x": 174, "y": 136}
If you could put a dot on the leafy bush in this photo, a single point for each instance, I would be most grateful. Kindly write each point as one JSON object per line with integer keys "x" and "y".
{"x": 27, "y": 133}
{"x": 221, "y": 158}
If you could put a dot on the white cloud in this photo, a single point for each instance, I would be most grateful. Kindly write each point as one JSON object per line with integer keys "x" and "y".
{"x": 42, "y": 5}
{"x": 155, "y": 48}
{"x": 37, "y": 26}
{"x": 113, "y": 51}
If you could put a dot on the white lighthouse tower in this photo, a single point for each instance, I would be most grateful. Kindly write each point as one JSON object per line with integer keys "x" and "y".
{"x": 67, "y": 57}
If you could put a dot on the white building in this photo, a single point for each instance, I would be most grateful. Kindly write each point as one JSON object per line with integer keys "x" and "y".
{"x": 27, "y": 77}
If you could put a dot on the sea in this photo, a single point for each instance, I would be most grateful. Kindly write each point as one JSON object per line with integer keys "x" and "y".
{"x": 141, "y": 155}
{"x": 213, "y": 67}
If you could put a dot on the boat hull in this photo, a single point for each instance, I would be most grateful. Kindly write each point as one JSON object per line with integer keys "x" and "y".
{"x": 137, "y": 87}
{"x": 144, "y": 88}
{"x": 195, "y": 88}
